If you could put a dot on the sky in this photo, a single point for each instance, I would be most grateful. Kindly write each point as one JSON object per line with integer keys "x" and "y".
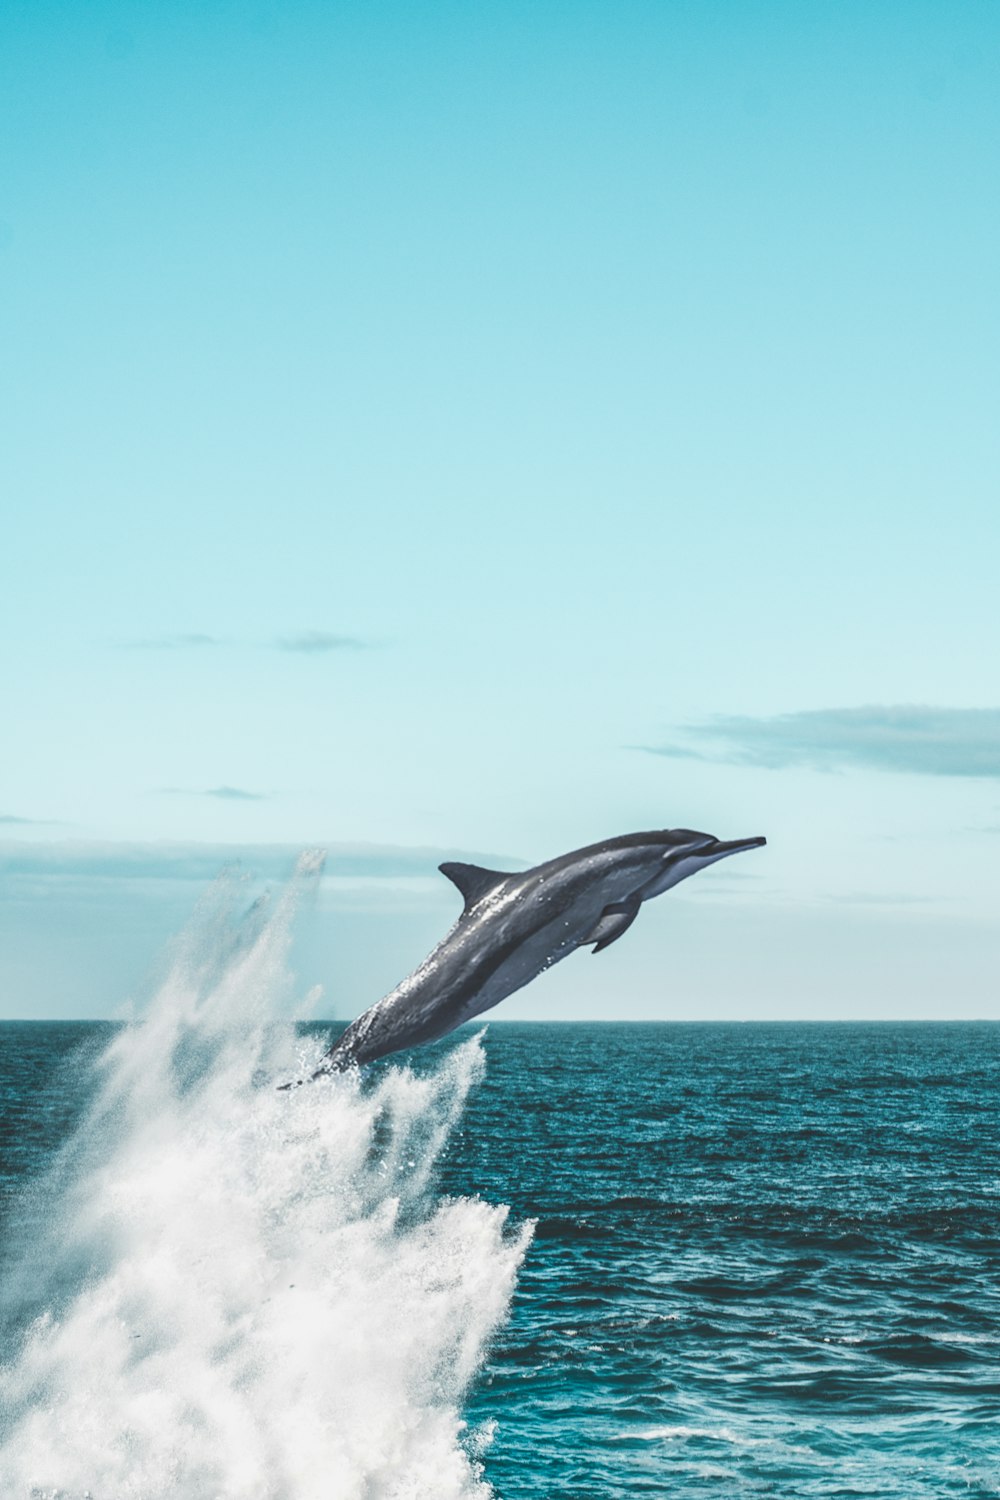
{"x": 484, "y": 429}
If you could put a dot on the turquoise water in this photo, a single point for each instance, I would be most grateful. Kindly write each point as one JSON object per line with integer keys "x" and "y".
{"x": 765, "y": 1261}
{"x": 766, "y": 1258}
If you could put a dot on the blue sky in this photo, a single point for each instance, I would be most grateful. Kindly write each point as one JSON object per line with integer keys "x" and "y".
{"x": 492, "y": 428}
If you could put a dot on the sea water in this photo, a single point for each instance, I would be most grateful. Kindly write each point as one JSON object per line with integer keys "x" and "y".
{"x": 594, "y": 1260}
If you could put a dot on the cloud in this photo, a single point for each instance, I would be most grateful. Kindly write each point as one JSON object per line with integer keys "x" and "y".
{"x": 234, "y": 794}
{"x": 910, "y": 739}
{"x": 316, "y": 642}
{"x": 223, "y": 793}
{"x": 9, "y": 818}
{"x": 203, "y": 862}
{"x": 304, "y": 642}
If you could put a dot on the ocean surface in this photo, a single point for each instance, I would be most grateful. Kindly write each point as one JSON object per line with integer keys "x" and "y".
{"x": 599, "y": 1261}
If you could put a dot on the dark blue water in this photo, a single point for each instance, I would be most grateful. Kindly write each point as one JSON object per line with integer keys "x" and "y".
{"x": 766, "y": 1262}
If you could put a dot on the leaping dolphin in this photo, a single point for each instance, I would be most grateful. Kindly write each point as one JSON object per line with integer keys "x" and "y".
{"x": 514, "y": 926}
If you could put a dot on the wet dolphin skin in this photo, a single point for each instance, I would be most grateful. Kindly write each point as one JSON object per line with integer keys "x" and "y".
{"x": 515, "y": 925}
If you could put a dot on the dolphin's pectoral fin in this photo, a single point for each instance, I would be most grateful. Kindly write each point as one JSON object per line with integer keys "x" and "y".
{"x": 472, "y": 880}
{"x": 613, "y": 921}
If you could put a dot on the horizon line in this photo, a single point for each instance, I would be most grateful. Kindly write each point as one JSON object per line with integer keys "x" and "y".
{"x": 574, "y": 1021}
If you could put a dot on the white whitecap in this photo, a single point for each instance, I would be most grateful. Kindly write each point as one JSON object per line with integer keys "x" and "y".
{"x": 250, "y": 1294}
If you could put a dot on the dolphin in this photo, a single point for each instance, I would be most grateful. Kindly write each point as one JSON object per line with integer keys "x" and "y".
{"x": 514, "y": 926}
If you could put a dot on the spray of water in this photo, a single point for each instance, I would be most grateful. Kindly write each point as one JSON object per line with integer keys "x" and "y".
{"x": 236, "y": 1293}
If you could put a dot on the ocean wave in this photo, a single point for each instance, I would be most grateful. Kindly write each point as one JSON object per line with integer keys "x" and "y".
{"x": 245, "y": 1294}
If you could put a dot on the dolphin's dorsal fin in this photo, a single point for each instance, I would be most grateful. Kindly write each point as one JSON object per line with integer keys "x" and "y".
{"x": 472, "y": 880}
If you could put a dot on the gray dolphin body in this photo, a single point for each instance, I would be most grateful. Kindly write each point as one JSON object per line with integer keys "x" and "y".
{"x": 516, "y": 925}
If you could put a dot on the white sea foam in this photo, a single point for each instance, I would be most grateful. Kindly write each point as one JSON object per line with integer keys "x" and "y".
{"x": 246, "y": 1294}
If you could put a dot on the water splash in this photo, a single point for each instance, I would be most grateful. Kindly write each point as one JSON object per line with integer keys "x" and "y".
{"x": 235, "y": 1293}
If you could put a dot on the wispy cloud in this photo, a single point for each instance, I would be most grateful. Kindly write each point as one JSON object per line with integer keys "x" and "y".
{"x": 316, "y": 642}
{"x": 910, "y": 739}
{"x": 304, "y": 642}
{"x": 234, "y": 794}
{"x": 223, "y": 793}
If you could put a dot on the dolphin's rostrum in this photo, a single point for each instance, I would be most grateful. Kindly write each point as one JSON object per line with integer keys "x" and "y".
{"x": 514, "y": 926}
